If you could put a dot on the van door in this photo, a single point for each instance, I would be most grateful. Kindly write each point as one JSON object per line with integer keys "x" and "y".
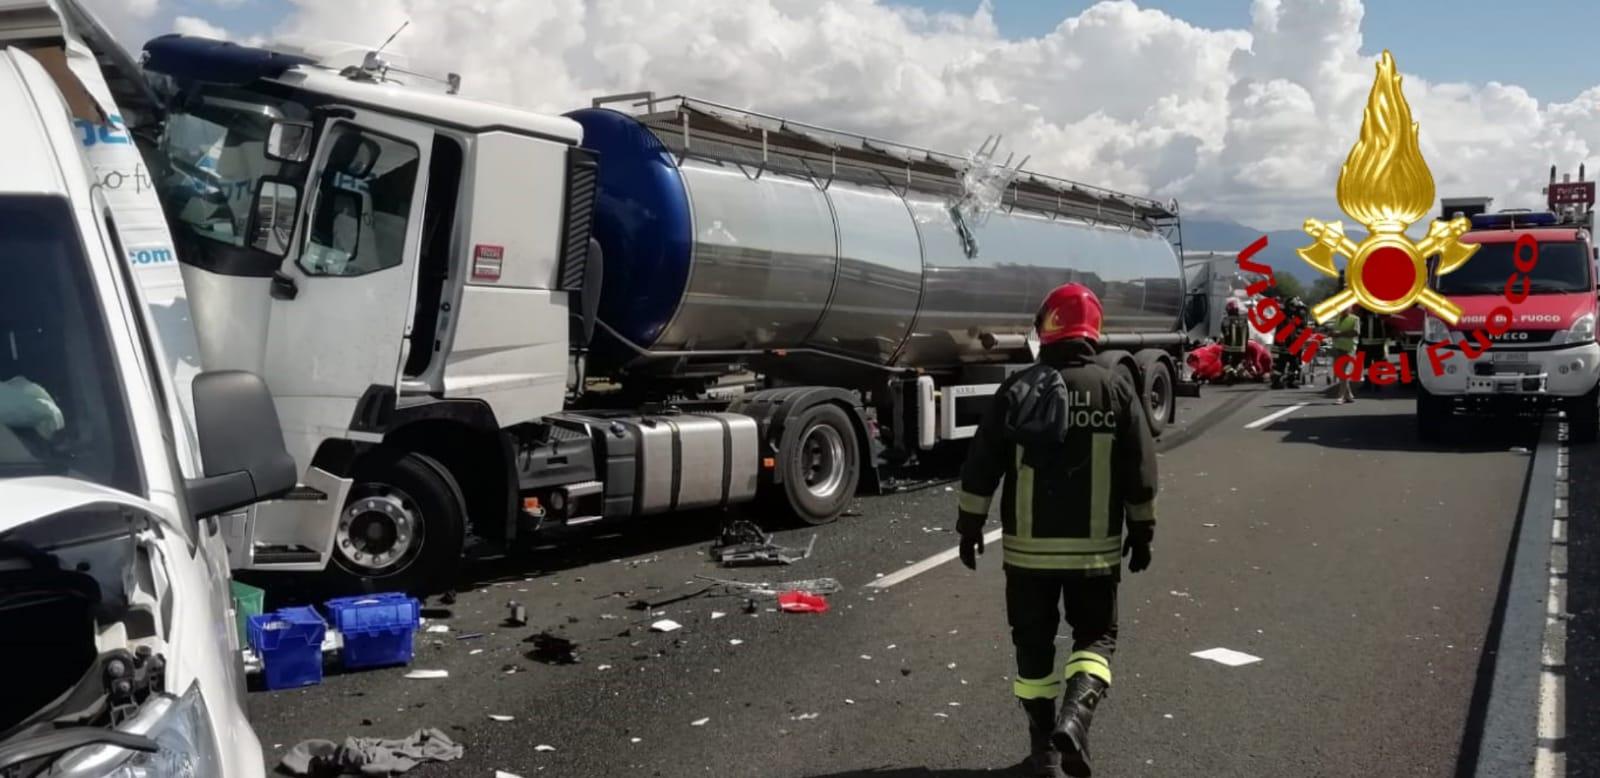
{"x": 341, "y": 308}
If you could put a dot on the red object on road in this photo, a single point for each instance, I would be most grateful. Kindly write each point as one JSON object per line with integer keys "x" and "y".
{"x": 802, "y": 602}
{"x": 1206, "y": 362}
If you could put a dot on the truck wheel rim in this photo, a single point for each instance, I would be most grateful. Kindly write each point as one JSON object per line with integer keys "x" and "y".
{"x": 1158, "y": 393}
{"x": 822, "y": 460}
{"x": 379, "y": 532}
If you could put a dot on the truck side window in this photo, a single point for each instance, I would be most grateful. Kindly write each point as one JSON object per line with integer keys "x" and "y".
{"x": 363, "y": 201}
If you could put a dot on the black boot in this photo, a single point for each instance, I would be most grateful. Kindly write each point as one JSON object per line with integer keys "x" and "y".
{"x": 1044, "y": 760}
{"x": 1071, "y": 736}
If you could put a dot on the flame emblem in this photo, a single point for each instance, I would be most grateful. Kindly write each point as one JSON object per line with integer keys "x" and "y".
{"x": 1385, "y": 185}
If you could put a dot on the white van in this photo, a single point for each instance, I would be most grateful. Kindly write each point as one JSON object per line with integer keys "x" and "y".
{"x": 115, "y": 617}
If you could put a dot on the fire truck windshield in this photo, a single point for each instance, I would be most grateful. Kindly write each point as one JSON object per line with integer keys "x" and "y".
{"x": 1563, "y": 267}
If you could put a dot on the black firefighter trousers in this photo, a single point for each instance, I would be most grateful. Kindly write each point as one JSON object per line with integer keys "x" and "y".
{"x": 1032, "y": 611}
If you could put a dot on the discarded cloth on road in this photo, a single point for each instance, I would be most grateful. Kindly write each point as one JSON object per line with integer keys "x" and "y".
{"x": 370, "y": 755}
{"x": 802, "y": 602}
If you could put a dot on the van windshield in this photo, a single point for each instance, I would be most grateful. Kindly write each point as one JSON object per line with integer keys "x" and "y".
{"x": 1563, "y": 267}
{"x": 61, "y": 406}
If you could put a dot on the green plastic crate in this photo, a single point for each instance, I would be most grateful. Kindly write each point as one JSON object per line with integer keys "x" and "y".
{"x": 247, "y": 601}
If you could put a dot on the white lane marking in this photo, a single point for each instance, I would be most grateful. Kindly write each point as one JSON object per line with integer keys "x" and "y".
{"x": 1274, "y": 416}
{"x": 910, "y": 571}
{"x": 1548, "y": 762}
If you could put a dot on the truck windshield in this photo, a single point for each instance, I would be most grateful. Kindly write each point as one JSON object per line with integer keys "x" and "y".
{"x": 61, "y": 404}
{"x": 1563, "y": 267}
{"x": 215, "y": 154}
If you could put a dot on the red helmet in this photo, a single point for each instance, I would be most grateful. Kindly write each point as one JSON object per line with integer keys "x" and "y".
{"x": 1071, "y": 311}
{"x": 1233, "y": 306}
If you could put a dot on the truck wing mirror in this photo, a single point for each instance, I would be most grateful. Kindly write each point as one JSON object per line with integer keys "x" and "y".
{"x": 241, "y": 444}
{"x": 289, "y": 141}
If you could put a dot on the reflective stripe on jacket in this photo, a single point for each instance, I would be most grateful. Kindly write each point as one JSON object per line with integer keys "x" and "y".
{"x": 1070, "y": 442}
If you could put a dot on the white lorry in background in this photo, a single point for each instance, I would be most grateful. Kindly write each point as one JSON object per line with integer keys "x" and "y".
{"x": 114, "y": 607}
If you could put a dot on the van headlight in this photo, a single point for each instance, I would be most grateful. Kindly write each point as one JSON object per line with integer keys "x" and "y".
{"x": 1434, "y": 330}
{"x": 182, "y": 727}
{"x": 1581, "y": 331}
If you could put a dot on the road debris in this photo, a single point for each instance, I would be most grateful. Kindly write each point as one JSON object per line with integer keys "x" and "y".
{"x": 470, "y": 636}
{"x": 427, "y": 675}
{"x": 717, "y": 615}
{"x": 475, "y": 652}
{"x": 504, "y": 774}
{"x": 769, "y": 588}
{"x": 603, "y": 667}
{"x": 735, "y": 642}
{"x": 517, "y": 614}
{"x": 370, "y": 755}
{"x": 805, "y": 717}
{"x": 1226, "y": 656}
{"x": 665, "y": 625}
{"x": 741, "y": 543}
{"x": 552, "y": 649}
{"x": 436, "y": 628}
{"x": 501, "y": 717}
{"x": 544, "y": 748}
{"x": 699, "y": 722}
{"x": 802, "y": 602}
{"x": 1209, "y": 524}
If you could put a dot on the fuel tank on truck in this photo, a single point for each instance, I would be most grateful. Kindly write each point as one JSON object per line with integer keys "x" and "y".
{"x": 723, "y": 231}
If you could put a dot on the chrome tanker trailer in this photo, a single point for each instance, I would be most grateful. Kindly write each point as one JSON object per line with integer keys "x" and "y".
{"x": 843, "y": 270}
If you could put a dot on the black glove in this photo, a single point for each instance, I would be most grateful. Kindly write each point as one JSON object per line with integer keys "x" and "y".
{"x": 970, "y": 527}
{"x": 1140, "y": 553}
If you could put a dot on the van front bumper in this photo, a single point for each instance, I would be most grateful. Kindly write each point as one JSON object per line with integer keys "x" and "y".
{"x": 1567, "y": 371}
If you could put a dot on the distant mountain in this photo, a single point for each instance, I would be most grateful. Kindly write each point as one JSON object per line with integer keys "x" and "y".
{"x": 1223, "y": 235}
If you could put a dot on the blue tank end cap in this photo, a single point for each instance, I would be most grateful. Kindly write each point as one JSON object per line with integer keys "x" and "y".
{"x": 191, "y": 58}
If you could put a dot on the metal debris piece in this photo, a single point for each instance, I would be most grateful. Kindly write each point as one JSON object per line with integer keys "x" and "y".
{"x": 742, "y": 543}
{"x": 426, "y": 675}
{"x": 665, "y": 625}
{"x": 501, "y": 717}
{"x": 517, "y": 614}
{"x": 770, "y": 588}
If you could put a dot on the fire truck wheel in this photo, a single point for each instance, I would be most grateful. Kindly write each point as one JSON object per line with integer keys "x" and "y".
{"x": 821, "y": 465}
{"x": 401, "y": 529}
{"x": 1583, "y": 417}
{"x": 1432, "y": 415}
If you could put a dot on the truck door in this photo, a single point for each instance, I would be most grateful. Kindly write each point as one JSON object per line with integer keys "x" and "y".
{"x": 342, "y": 307}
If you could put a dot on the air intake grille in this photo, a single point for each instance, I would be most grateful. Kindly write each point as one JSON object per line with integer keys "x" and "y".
{"x": 582, "y": 167}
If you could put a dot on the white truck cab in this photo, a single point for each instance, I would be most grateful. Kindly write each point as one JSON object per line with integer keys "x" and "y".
{"x": 114, "y": 597}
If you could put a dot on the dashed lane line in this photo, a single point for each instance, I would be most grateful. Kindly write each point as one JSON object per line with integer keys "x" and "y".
{"x": 1274, "y": 416}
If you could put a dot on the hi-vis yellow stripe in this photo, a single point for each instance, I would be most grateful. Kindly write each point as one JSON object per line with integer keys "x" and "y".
{"x": 1062, "y": 545}
{"x": 972, "y": 503}
{"x": 1024, "y": 500}
{"x": 1088, "y": 662}
{"x": 1100, "y": 492}
{"x": 1037, "y": 688}
{"x": 1034, "y": 561}
{"x": 1144, "y": 511}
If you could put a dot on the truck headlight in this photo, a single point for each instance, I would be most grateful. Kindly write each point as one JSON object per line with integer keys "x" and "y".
{"x": 182, "y": 726}
{"x": 1434, "y": 330}
{"x": 1581, "y": 331}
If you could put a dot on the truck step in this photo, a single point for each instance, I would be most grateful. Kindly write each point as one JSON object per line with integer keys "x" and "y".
{"x": 279, "y": 555}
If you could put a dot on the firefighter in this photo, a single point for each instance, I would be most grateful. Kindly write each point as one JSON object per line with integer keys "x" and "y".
{"x": 1374, "y": 343}
{"x": 1235, "y": 336}
{"x": 1345, "y": 336}
{"x": 1069, "y": 438}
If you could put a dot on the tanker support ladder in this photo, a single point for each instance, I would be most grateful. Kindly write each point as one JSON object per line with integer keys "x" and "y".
{"x": 481, "y": 320}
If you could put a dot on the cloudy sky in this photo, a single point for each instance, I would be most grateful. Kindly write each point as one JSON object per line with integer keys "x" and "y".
{"x": 1239, "y": 109}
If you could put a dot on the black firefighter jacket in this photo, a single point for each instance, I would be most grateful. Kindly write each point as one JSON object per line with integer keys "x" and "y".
{"x": 1071, "y": 443}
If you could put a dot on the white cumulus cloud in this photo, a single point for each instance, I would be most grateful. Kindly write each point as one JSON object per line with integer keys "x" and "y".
{"x": 1250, "y": 124}
{"x": 194, "y": 25}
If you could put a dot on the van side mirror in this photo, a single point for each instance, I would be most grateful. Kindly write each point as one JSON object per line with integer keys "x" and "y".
{"x": 241, "y": 444}
{"x": 289, "y": 141}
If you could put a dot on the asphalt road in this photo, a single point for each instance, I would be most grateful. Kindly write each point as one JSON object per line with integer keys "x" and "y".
{"x": 1361, "y": 567}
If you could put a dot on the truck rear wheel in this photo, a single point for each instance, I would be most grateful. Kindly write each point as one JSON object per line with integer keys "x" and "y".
{"x": 401, "y": 528}
{"x": 1432, "y": 414}
{"x": 821, "y": 465}
{"x": 1583, "y": 417}
{"x": 1159, "y": 394}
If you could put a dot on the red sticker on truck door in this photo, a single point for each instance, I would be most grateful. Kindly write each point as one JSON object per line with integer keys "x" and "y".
{"x": 486, "y": 260}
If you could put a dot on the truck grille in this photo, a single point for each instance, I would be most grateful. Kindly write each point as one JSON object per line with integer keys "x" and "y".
{"x": 582, "y": 168}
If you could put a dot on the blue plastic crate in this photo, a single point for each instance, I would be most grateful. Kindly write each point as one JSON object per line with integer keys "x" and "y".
{"x": 289, "y": 642}
{"x": 377, "y": 628}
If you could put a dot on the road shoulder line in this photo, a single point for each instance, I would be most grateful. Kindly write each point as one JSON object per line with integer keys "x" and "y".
{"x": 1511, "y": 731}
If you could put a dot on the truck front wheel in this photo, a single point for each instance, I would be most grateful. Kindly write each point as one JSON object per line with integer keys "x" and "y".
{"x": 401, "y": 528}
{"x": 1583, "y": 417}
{"x": 821, "y": 465}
